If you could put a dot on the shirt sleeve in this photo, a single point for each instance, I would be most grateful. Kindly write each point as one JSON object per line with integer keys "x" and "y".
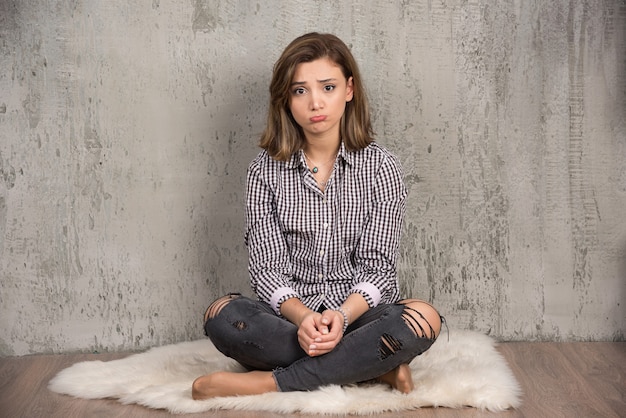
{"x": 268, "y": 256}
{"x": 377, "y": 252}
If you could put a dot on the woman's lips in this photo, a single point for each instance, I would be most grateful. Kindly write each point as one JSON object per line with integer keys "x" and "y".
{"x": 316, "y": 119}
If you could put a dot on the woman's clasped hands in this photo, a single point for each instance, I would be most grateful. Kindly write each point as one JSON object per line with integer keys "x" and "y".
{"x": 319, "y": 333}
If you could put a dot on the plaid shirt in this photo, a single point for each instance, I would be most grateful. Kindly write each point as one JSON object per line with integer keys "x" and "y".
{"x": 322, "y": 246}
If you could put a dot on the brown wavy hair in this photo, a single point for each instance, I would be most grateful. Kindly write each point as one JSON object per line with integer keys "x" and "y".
{"x": 282, "y": 136}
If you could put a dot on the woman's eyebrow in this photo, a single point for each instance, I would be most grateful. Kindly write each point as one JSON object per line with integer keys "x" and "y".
{"x": 301, "y": 83}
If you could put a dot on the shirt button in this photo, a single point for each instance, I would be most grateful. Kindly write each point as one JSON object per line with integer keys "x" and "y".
{"x": 325, "y": 224}
{"x": 321, "y": 252}
{"x": 320, "y": 276}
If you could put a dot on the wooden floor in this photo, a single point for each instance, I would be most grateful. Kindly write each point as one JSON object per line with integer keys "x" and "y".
{"x": 558, "y": 379}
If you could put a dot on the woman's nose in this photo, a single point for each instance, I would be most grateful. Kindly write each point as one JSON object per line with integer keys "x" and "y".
{"x": 316, "y": 101}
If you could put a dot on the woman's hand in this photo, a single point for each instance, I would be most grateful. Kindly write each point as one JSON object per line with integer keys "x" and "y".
{"x": 319, "y": 334}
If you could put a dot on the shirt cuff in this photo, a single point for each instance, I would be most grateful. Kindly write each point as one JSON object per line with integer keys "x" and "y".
{"x": 280, "y": 295}
{"x": 368, "y": 289}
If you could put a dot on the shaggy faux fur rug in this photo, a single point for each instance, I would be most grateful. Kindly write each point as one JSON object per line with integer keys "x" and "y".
{"x": 464, "y": 370}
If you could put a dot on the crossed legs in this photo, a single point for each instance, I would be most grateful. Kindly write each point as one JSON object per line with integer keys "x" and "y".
{"x": 419, "y": 316}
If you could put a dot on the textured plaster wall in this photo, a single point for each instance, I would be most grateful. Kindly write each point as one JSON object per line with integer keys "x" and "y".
{"x": 126, "y": 129}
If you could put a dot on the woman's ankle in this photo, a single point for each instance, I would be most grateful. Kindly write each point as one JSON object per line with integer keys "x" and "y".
{"x": 399, "y": 378}
{"x": 232, "y": 384}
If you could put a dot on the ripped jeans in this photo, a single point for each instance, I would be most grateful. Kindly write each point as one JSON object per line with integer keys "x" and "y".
{"x": 250, "y": 332}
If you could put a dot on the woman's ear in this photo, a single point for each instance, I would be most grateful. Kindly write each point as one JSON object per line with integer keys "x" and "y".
{"x": 349, "y": 90}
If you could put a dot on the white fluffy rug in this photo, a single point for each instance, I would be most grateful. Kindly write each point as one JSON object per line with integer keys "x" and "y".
{"x": 465, "y": 370}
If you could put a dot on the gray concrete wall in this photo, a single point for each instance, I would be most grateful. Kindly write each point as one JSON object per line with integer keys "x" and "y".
{"x": 126, "y": 129}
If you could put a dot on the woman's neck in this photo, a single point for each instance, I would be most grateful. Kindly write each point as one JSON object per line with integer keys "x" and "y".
{"x": 321, "y": 150}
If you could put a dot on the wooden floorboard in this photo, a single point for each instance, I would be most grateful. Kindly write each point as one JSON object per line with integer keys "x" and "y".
{"x": 570, "y": 379}
{"x": 585, "y": 379}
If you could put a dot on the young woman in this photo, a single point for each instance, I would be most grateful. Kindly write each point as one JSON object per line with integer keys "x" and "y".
{"x": 324, "y": 212}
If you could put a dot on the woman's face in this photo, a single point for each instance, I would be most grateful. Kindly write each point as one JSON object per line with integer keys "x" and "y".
{"x": 317, "y": 98}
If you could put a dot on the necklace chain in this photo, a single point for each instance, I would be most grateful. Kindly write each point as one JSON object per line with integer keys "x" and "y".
{"x": 315, "y": 168}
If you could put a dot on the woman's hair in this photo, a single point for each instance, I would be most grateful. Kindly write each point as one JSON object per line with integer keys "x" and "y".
{"x": 283, "y": 136}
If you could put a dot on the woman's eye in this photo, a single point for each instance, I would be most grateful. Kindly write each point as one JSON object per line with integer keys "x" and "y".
{"x": 298, "y": 91}
{"x": 329, "y": 87}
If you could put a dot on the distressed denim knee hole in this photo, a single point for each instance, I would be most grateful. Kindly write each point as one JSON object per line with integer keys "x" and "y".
{"x": 217, "y": 306}
{"x": 418, "y": 323}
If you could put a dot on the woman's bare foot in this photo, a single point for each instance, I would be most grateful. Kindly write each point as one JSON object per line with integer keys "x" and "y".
{"x": 232, "y": 384}
{"x": 399, "y": 378}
